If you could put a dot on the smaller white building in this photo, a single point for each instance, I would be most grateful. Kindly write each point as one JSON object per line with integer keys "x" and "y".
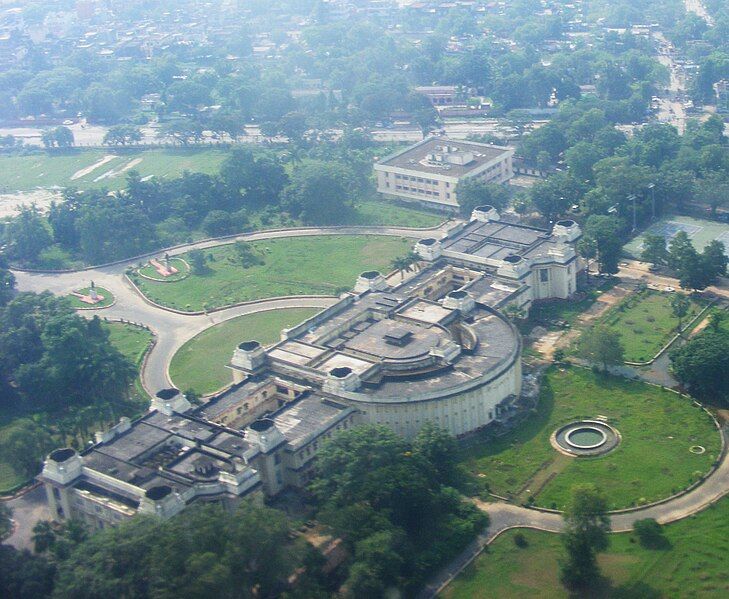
{"x": 430, "y": 171}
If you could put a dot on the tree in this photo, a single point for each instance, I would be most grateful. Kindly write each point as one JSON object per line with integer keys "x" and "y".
{"x": 553, "y": 197}
{"x": 26, "y": 235}
{"x": 217, "y": 223}
{"x": 696, "y": 271}
{"x": 472, "y": 193}
{"x": 681, "y": 252}
{"x": 111, "y": 228}
{"x": 122, "y": 135}
{"x": 6, "y": 520}
{"x": 255, "y": 181}
{"x": 654, "y": 249}
{"x": 586, "y": 534}
{"x": 602, "y": 346}
{"x": 439, "y": 449}
{"x": 58, "y": 137}
{"x": 7, "y": 282}
{"x": 204, "y": 551}
{"x": 715, "y": 259}
{"x": 182, "y": 130}
{"x": 24, "y": 575}
{"x": 198, "y": 262}
{"x": 24, "y": 445}
{"x": 702, "y": 366}
{"x": 376, "y": 490}
{"x": 102, "y": 103}
{"x": 603, "y": 233}
{"x": 650, "y": 534}
{"x": 319, "y": 193}
{"x": 680, "y": 305}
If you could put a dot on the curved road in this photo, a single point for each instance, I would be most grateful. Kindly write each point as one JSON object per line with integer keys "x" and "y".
{"x": 171, "y": 328}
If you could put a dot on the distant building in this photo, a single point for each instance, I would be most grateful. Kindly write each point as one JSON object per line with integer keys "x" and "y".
{"x": 429, "y": 171}
{"x": 439, "y": 95}
{"x": 721, "y": 89}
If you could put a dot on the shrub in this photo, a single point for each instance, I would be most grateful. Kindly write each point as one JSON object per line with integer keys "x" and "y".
{"x": 650, "y": 534}
{"x": 520, "y": 540}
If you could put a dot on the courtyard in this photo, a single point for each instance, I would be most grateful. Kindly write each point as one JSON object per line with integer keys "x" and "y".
{"x": 653, "y": 460}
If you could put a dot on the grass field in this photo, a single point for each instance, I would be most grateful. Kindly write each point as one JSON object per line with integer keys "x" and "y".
{"x": 652, "y": 461}
{"x": 381, "y": 212}
{"x": 130, "y": 340}
{"x": 693, "y": 566}
{"x": 200, "y": 363}
{"x": 700, "y": 231}
{"x": 645, "y": 322}
{"x": 9, "y": 478}
{"x": 74, "y": 168}
{"x": 322, "y": 265}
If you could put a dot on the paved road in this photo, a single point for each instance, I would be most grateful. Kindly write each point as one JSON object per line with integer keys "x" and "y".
{"x": 173, "y": 329}
{"x": 27, "y": 510}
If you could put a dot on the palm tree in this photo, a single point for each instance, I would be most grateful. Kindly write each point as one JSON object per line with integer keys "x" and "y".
{"x": 401, "y": 264}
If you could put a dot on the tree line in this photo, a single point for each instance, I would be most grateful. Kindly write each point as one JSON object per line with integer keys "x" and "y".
{"x": 251, "y": 189}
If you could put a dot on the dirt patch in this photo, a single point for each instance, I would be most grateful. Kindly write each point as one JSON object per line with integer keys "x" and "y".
{"x": 91, "y": 168}
{"x": 10, "y": 203}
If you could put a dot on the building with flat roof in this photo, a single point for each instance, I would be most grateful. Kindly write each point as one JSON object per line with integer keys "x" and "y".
{"x": 433, "y": 347}
{"x": 429, "y": 171}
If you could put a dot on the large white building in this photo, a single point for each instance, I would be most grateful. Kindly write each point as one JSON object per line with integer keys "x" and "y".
{"x": 429, "y": 171}
{"x": 434, "y": 347}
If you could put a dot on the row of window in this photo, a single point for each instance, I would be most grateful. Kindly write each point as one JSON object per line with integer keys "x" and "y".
{"x": 426, "y": 192}
{"x": 416, "y": 179}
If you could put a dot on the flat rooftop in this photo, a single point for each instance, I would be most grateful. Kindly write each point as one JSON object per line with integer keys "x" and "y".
{"x": 444, "y": 156}
{"x": 496, "y": 240}
{"x": 303, "y": 419}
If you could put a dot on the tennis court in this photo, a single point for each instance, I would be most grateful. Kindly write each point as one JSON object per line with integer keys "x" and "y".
{"x": 701, "y": 233}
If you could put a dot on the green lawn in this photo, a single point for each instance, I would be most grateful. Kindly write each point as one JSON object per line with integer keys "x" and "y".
{"x": 381, "y": 212}
{"x": 9, "y": 478}
{"x": 130, "y": 340}
{"x": 200, "y": 363}
{"x": 324, "y": 265}
{"x": 693, "y": 566}
{"x": 23, "y": 173}
{"x": 104, "y": 303}
{"x": 652, "y": 461}
{"x": 645, "y": 322}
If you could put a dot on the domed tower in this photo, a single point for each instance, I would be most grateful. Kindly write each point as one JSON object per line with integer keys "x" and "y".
{"x": 429, "y": 249}
{"x": 168, "y": 401}
{"x": 61, "y": 469}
